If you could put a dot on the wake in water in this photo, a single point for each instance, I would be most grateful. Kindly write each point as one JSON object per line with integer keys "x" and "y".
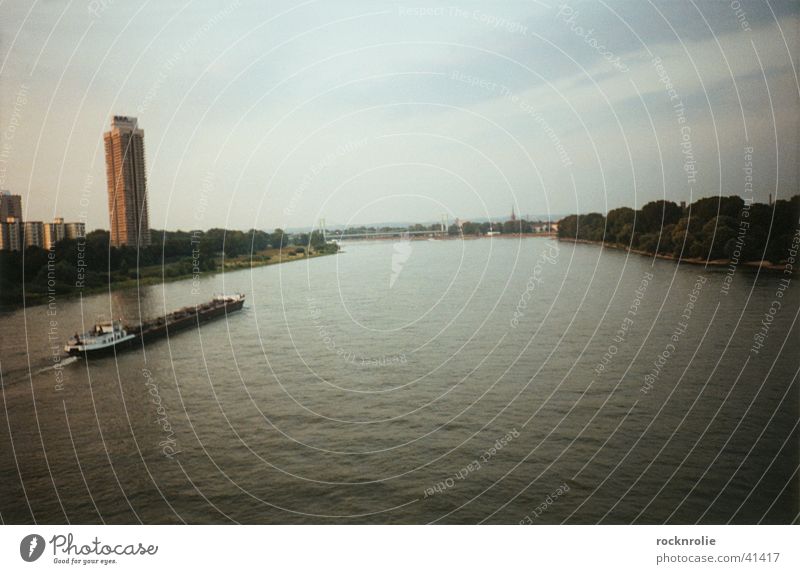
{"x": 17, "y": 375}
{"x": 59, "y": 365}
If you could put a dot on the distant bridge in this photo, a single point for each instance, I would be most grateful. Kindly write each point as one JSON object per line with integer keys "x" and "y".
{"x": 338, "y": 235}
{"x": 380, "y": 234}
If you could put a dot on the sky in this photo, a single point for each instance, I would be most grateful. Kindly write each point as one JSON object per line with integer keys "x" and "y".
{"x": 279, "y": 114}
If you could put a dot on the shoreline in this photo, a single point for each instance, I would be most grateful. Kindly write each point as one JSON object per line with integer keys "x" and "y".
{"x": 452, "y": 237}
{"x": 229, "y": 265}
{"x": 715, "y": 263}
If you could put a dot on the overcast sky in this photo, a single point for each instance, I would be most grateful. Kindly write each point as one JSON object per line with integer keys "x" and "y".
{"x": 278, "y": 115}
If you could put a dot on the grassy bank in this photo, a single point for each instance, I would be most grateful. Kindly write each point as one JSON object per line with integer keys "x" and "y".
{"x": 177, "y": 270}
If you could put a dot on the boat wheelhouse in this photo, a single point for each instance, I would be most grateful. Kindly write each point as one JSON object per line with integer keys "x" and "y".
{"x": 104, "y": 336}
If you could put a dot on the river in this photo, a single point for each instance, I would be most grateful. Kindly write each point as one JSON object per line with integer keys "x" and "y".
{"x": 497, "y": 380}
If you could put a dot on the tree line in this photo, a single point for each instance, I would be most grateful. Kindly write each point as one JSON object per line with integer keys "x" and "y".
{"x": 92, "y": 262}
{"x": 710, "y": 228}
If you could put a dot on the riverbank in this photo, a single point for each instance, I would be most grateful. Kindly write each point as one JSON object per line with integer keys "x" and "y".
{"x": 159, "y": 274}
{"x": 717, "y": 263}
{"x": 427, "y": 237}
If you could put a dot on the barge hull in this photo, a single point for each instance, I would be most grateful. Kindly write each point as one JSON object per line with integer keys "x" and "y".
{"x": 155, "y": 330}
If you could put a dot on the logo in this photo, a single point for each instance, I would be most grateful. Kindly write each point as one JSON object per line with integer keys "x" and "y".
{"x": 402, "y": 251}
{"x": 31, "y": 547}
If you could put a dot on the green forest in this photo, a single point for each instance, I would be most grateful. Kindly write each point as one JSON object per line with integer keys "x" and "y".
{"x": 711, "y": 228}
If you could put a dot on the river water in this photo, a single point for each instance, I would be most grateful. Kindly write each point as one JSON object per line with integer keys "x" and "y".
{"x": 495, "y": 380}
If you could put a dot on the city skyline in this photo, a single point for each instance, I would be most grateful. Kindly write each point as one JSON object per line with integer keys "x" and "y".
{"x": 16, "y": 233}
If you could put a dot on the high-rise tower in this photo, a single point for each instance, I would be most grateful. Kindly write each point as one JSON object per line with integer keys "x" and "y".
{"x": 10, "y": 205}
{"x": 127, "y": 183}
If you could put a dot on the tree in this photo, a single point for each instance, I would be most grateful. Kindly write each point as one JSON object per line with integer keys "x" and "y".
{"x": 279, "y": 239}
{"x": 259, "y": 240}
{"x": 683, "y": 236}
{"x": 510, "y": 227}
{"x": 568, "y": 227}
{"x": 619, "y": 225}
{"x": 666, "y": 245}
{"x": 784, "y": 219}
{"x": 625, "y": 235}
{"x": 656, "y": 214}
{"x": 708, "y": 208}
{"x": 470, "y": 228}
{"x": 235, "y": 243}
{"x": 591, "y": 226}
{"x": 716, "y": 234}
{"x": 317, "y": 240}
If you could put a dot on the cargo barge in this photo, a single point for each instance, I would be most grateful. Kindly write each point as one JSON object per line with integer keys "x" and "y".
{"x": 110, "y": 336}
